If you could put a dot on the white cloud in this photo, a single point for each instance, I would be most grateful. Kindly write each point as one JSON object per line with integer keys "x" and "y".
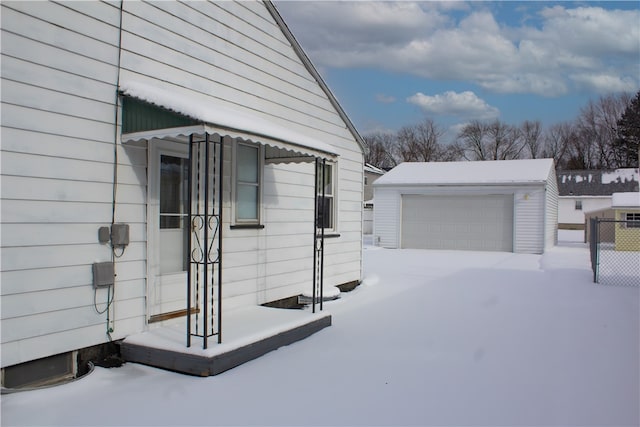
{"x": 590, "y": 31}
{"x": 537, "y": 55}
{"x": 604, "y": 83}
{"x": 465, "y": 105}
{"x": 546, "y": 85}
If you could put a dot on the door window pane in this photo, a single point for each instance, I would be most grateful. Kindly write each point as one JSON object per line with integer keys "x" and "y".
{"x": 173, "y": 213}
{"x": 173, "y": 191}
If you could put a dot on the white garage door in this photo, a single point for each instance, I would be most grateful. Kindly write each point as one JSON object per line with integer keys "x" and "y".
{"x": 477, "y": 223}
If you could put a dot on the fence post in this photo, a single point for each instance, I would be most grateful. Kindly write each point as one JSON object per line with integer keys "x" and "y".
{"x": 593, "y": 246}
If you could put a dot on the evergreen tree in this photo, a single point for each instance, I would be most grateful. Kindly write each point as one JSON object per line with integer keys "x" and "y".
{"x": 627, "y": 144}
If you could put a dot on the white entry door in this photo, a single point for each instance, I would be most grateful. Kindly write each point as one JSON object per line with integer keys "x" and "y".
{"x": 168, "y": 227}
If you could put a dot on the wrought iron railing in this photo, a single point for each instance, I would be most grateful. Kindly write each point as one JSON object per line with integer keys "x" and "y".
{"x": 204, "y": 274}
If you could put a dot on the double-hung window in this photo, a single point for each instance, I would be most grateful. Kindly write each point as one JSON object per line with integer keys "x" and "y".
{"x": 632, "y": 220}
{"x": 247, "y": 185}
{"x": 326, "y": 196}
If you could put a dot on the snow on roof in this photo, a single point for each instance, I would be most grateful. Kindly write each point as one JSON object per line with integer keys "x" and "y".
{"x": 479, "y": 172}
{"x": 620, "y": 175}
{"x": 370, "y": 168}
{"x": 208, "y": 111}
{"x": 619, "y": 200}
{"x": 597, "y": 182}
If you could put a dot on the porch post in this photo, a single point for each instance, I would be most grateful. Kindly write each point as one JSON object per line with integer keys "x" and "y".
{"x": 318, "y": 234}
{"x": 205, "y": 226}
{"x": 188, "y": 254}
{"x": 322, "y": 206}
{"x": 220, "y": 190}
{"x": 205, "y": 246}
{"x": 315, "y": 235}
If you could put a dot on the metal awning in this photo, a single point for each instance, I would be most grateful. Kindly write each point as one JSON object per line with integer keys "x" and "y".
{"x": 276, "y": 151}
{"x": 282, "y": 144}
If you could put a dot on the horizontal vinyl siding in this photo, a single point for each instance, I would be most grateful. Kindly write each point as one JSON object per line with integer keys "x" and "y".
{"x": 529, "y": 220}
{"x": 35, "y": 347}
{"x": 551, "y": 211}
{"x": 386, "y": 217}
{"x": 233, "y": 54}
{"x": 231, "y": 66}
{"x": 59, "y": 69}
{"x": 277, "y": 261}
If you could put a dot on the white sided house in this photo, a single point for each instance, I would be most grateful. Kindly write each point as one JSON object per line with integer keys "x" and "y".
{"x": 506, "y": 205}
{"x": 164, "y": 161}
{"x": 584, "y": 191}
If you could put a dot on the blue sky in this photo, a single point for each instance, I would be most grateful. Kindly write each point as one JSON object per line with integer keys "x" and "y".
{"x": 392, "y": 64}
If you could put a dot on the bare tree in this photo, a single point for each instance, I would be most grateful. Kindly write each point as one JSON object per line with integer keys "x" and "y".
{"x": 492, "y": 141}
{"x": 471, "y": 140}
{"x": 504, "y": 141}
{"x": 380, "y": 149}
{"x": 596, "y": 127}
{"x": 531, "y": 138}
{"x": 592, "y": 141}
{"x": 450, "y": 153}
{"x": 419, "y": 143}
{"x": 557, "y": 140}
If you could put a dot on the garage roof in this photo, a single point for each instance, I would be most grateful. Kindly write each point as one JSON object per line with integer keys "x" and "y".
{"x": 468, "y": 173}
{"x": 625, "y": 200}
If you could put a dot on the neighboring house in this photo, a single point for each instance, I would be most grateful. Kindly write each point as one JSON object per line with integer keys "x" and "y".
{"x": 371, "y": 173}
{"x": 583, "y": 191}
{"x": 147, "y": 145}
{"x": 508, "y": 205}
{"x": 621, "y": 225}
{"x": 627, "y": 211}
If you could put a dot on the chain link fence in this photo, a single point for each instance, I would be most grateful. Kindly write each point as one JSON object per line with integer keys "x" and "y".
{"x": 615, "y": 251}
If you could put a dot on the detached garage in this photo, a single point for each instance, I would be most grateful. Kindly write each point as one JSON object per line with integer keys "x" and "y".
{"x": 507, "y": 205}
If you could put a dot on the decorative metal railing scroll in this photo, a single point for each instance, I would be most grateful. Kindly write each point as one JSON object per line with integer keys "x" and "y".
{"x": 204, "y": 275}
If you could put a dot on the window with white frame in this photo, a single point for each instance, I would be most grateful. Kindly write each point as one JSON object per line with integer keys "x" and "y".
{"x": 578, "y": 205}
{"x": 247, "y": 183}
{"x": 632, "y": 219}
{"x": 326, "y": 185}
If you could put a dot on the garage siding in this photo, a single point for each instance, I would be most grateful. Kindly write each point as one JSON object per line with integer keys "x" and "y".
{"x": 551, "y": 211}
{"x": 529, "y": 225}
{"x": 386, "y": 214}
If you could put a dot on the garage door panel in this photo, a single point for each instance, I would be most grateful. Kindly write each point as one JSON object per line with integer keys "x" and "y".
{"x": 457, "y": 222}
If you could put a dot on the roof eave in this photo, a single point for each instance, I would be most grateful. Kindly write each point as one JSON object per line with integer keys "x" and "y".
{"x": 457, "y": 184}
{"x": 314, "y": 72}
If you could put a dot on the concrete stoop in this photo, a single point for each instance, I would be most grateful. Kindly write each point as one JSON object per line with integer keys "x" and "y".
{"x": 220, "y": 357}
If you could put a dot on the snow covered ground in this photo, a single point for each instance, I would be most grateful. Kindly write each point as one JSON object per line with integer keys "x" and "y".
{"x": 430, "y": 338}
